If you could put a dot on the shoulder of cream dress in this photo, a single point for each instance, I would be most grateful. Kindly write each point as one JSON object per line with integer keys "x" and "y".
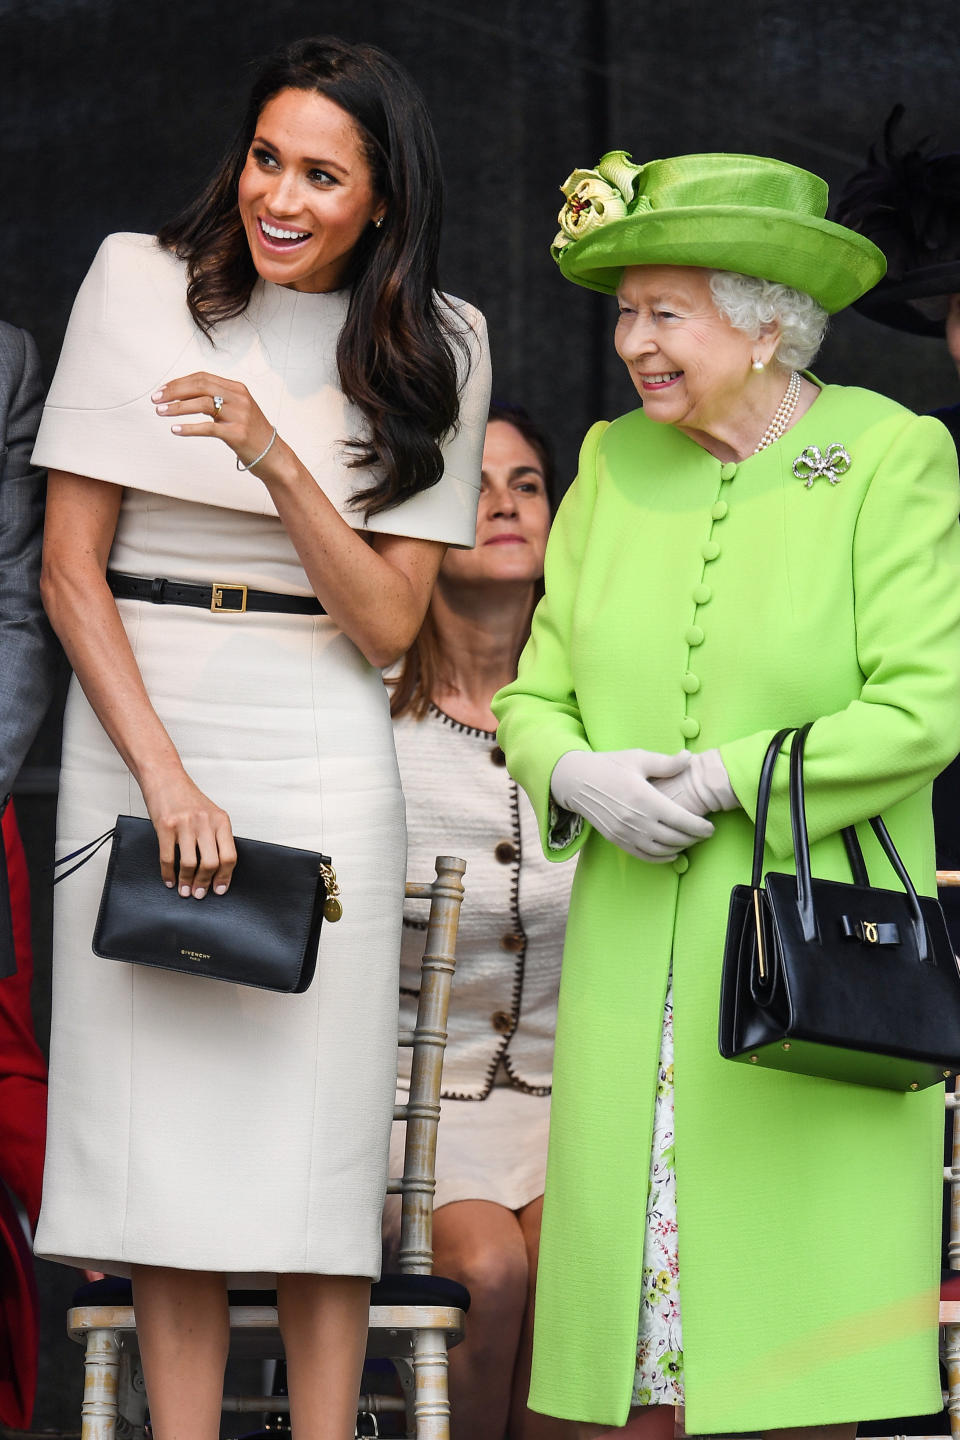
{"x": 130, "y": 331}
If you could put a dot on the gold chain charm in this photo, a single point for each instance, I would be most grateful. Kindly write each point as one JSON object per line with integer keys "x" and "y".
{"x": 332, "y": 909}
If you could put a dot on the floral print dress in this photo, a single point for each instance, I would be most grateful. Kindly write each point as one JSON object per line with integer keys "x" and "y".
{"x": 659, "y": 1374}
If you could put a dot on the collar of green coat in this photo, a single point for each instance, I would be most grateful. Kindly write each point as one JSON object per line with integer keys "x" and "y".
{"x": 839, "y": 415}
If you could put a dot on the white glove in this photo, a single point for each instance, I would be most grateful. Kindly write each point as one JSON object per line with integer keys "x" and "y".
{"x": 702, "y": 787}
{"x": 612, "y": 789}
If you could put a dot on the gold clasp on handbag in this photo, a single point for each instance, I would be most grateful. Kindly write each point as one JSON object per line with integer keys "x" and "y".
{"x": 332, "y": 909}
{"x": 870, "y": 932}
{"x": 216, "y": 599}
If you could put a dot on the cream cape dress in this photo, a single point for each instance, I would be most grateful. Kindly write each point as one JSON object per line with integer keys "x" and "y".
{"x": 192, "y": 1123}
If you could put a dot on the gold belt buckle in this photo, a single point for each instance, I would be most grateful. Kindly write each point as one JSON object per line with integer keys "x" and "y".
{"x": 216, "y": 599}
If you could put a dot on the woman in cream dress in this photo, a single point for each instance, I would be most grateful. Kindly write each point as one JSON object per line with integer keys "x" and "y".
{"x": 197, "y": 1129}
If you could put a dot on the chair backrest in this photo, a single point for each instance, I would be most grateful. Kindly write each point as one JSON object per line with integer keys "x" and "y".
{"x": 427, "y": 1040}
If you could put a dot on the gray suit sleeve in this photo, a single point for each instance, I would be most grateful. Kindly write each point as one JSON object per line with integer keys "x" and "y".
{"x": 28, "y": 650}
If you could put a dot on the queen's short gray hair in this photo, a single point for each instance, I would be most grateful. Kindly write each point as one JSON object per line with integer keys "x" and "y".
{"x": 750, "y": 303}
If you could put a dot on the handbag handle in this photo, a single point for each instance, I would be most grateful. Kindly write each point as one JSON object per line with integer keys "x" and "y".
{"x": 87, "y": 851}
{"x": 801, "y": 840}
{"x": 801, "y": 851}
{"x": 849, "y": 836}
{"x": 858, "y": 866}
{"x": 763, "y": 802}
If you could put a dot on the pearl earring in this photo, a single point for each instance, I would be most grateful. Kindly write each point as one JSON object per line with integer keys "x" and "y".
{"x": 379, "y": 221}
{"x": 758, "y": 365}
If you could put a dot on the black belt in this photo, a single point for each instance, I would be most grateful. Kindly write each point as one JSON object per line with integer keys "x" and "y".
{"x": 221, "y": 597}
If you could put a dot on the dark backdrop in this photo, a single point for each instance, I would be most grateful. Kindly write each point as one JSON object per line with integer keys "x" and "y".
{"x": 113, "y": 113}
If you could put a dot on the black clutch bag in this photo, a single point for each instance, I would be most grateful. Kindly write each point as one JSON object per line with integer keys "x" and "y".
{"x": 264, "y": 931}
{"x": 843, "y": 981}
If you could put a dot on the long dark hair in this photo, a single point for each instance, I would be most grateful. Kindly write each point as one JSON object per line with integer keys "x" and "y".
{"x": 398, "y": 349}
{"x": 421, "y": 669}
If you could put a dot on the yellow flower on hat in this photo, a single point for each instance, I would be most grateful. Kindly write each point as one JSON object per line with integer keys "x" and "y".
{"x": 595, "y": 197}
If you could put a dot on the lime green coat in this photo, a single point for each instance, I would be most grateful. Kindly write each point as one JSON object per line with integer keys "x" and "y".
{"x": 699, "y": 604}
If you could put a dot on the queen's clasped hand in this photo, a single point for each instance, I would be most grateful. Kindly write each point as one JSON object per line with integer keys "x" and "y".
{"x": 703, "y": 786}
{"x": 613, "y": 790}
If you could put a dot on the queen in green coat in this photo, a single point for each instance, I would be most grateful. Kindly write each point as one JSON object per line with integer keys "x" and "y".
{"x": 749, "y": 550}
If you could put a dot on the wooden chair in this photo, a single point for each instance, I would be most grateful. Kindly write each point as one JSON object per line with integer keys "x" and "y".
{"x": 414, "y": 1316}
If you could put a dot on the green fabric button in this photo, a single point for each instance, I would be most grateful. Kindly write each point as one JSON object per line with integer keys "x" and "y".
{"x": 681, "y": 864}
{"x": 728, "y": 471}
{"x": 710, "y": 550}
{"x": 693, "y": 635}
{"x": 690, "y": 683}
{"x": 719, "y": 511}
{"x": 701, "y": 594}
{"x": 689, "y": 728}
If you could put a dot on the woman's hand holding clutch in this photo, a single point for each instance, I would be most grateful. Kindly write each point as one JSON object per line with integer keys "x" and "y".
{"x": 187, "y": 820}
{"x": 614, "y": 790}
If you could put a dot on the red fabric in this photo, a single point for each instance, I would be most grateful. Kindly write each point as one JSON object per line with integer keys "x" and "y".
{"x": 19, "y": 1321}
{"x": 23, "y": 1119}
{"x": 23, "y": 1072}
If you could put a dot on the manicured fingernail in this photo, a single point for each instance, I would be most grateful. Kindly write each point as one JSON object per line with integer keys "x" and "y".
{"x": 162, "y": 409}
{"x": 169, "y": 884}
{"x": 176, "y": 429}
{"x": 199, "y": 894}
{"x": 157, "y": 394}
{"x": 220, "y": 889}
{"x": 184, "y": 889}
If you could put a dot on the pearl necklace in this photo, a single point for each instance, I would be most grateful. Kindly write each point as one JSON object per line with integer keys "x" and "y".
{"x": 783, "y": 414}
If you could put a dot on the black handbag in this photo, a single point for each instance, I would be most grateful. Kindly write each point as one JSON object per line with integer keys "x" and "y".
{"x": 843, "y": 981}
{"x": 264, "y": 931}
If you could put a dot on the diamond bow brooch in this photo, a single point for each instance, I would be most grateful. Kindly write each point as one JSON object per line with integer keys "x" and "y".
{"x": 833, "y": 463}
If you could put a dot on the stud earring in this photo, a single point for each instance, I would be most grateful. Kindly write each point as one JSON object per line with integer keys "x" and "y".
{"x": 758, "y": 365}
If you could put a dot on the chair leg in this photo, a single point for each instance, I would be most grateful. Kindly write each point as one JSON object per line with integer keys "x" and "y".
{"x": 131, "y": 1399}
{"x": 101, "y": 1368}
{"x": 431, "y": 1402}
{"x": 404, "y": 1371}
{"x": 951, "y": 1335}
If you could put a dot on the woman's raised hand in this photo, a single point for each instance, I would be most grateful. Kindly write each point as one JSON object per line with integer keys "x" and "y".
{"x": 613, "y": 790}
{"x": 230, "y": 413}
{"x": 187, "y": 820}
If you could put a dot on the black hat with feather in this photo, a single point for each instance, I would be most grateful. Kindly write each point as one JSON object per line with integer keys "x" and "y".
{"x": 908, "y": 204}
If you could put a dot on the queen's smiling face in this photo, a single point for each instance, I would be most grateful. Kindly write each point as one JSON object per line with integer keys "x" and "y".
{"x": 306, "y": 192}
{"x": 687, "y": 362}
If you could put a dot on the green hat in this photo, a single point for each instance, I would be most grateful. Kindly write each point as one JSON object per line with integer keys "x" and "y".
{"x": 744, "y": 213}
